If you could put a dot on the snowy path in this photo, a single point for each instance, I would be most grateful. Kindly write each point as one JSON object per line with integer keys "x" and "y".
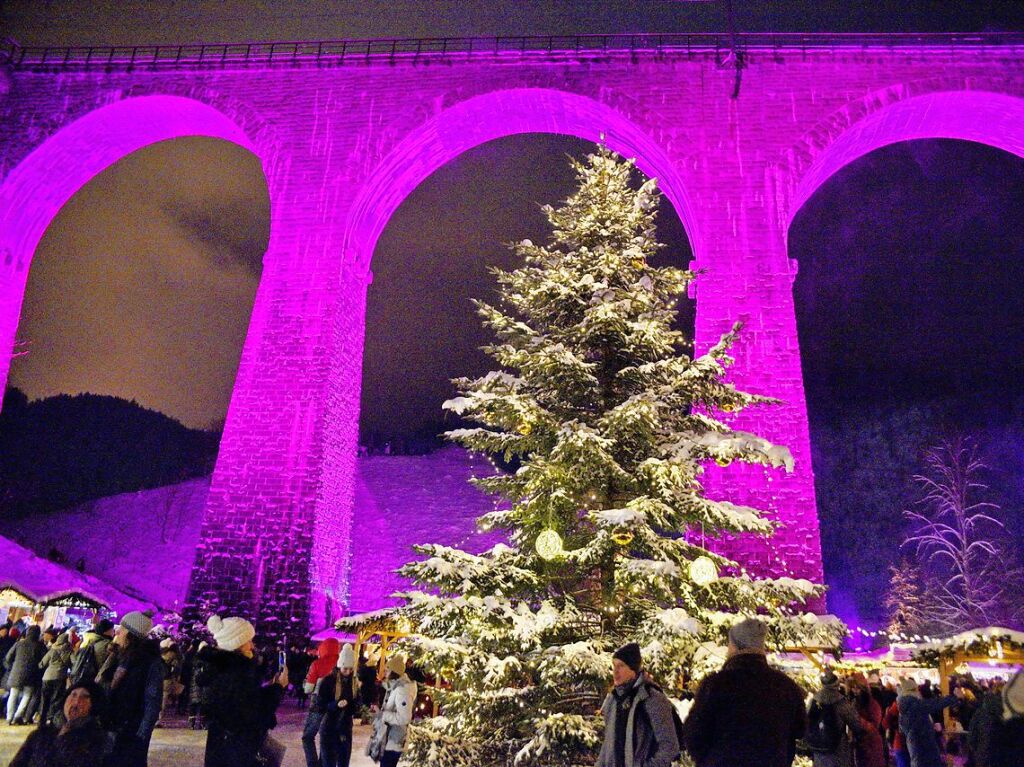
{"x": 177, "y": 747}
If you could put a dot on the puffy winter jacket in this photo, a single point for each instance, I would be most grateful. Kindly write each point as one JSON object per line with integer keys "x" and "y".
{"x": 396, "y": 713}
{"x": 57, "y": 659}
{"x": 23, "y": 661}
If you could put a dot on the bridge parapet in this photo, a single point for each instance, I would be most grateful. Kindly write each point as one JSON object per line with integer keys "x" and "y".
{"x": 330, "y": 53}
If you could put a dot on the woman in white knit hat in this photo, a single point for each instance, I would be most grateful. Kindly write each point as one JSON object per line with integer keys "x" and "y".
{"x": 239, "y": 709}
{"x": 335, "y": 700}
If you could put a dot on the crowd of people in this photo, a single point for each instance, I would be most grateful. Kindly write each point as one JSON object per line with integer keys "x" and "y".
{"x": 751, "y": 715}
{"x": 98, "y": 695}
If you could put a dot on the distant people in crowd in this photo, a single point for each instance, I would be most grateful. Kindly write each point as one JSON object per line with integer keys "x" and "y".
{"x": 392, "y": 721}
{"x": 869, "y": 747}
{"x": 639, "y": 724}
{"x": 894, "y": 735}
{"x": 917, "y": 724}
{"x": 747, "y": 714}
{"x": 24, "y": 676}
{"x": 55, "y": 664}
{"x": 299, "y": 661}
{"x": 833, "y": 722}
{"x": 91, "y": 654}
{"x": 172, "y": 677}
{"x": 368, "y": 687}
{"x": 239, "y": 709}
{"x": 135, "y": 674}
{"x": 996, "y": 736}
{"x": 313, "y": 728}
{"x": 198, "y": 694}
{"x": 79, "y": 741}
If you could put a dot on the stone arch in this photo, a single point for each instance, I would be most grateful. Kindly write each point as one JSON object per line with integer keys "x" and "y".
{"x": 35, "y": 191}
{"x": 991, "y": 117}
{"x": 489, "y": 116}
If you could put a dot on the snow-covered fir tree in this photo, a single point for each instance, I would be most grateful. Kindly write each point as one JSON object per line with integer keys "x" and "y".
{"x": 903, "y": 601}
{"x": 609, "y": 423}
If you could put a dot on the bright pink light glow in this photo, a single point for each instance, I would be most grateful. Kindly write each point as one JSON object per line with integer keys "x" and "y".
{"x": 342, "y": 147}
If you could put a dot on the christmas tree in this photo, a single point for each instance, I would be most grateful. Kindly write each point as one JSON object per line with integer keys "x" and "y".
{"x": 904, "y": 602}
{"x": 607, "y": 423}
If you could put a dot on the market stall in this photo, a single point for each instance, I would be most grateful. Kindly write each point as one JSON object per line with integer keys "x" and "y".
{"x": 50, "y": 594}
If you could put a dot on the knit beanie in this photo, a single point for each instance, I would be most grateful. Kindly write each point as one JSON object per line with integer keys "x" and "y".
{"x": 230, "y": 633}
{"x": 347, "y": 658}
{"x": 1013, "y": 696}
{"x": 630, "y": 655}
{"x": 829, "y": 679}
{"x": 748, "y": 634}
{"x": 396, "y": 664}
{"x": 137, "y": 623}
{"x": 909, "y": 687}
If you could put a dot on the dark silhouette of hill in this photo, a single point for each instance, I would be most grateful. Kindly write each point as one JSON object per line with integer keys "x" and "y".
{"x": 61, "y": 451}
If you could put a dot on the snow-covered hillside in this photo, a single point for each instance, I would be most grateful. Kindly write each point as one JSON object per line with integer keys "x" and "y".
{"x": 144, "y": 542}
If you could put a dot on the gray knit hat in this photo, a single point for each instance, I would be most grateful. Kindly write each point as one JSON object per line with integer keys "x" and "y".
{"x": 749, "y": 634}
{"x": 137, "y": 623}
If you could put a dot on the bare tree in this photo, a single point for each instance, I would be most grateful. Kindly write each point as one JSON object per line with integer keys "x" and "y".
{"x": 955, "y": 535}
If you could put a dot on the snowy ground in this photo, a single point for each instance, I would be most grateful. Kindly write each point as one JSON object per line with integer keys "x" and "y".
{"x": 176, "y": 746}
{"x": 144, "y": 543}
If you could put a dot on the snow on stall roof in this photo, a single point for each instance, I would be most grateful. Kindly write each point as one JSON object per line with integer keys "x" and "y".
{"x": 43, "y": 580}
{"x": 966, "y": 638}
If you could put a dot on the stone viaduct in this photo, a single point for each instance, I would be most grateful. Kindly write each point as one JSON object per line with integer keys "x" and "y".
{"x": 739, "y": 138}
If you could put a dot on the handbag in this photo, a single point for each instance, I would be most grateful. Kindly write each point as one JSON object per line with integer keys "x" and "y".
{"x": 379, "y": 741}
{"x": 271, "y": 753}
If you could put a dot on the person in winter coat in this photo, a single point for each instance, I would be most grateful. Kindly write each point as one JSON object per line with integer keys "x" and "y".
{"x": 870, "y": 748}
{"x": 55, "y": 664}
{"x": 392, "y": 722}
{"x": 136, "y": 690}
{"x": 336, "y": 698}
{"x": 997, "y": 728}
{"x": 638, "y": 727}
{"x": 24, "y": 675}
{"x": 239, "y": 709}
{"x": 831, "y": 703}
{"x": 79, "y": 742}
{"x": 198, "y": 694}
{"x": 91, "y": 654}
{"x": 747, "y": 714}
{"x": 172, "y": 676}
{"x": 891, "y": 723}
{"x": 322, "y": 667}
{"x": 917, "y": 724}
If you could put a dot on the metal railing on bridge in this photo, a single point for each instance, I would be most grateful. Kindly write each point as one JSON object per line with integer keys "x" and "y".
{"x": 346, "y": 52}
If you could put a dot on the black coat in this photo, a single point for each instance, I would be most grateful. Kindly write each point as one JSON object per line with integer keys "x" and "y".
{"x": 746, "y": 715}
{"x": 85, "y": 744}
{"x": 330, "y": 694}
{"x": 239, "y": 709}
{"x": 137, "y": 690}
{"x": 22, "y": 662}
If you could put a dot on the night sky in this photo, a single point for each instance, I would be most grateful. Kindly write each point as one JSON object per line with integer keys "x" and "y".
{"x": 911, "y": 258}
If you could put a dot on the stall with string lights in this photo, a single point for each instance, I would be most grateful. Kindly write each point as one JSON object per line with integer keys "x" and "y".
{"x": 992, "y": 646}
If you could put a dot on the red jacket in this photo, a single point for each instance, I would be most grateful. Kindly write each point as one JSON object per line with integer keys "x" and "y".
{"x": 326, "y": 659}
{"x": 891, "y": 724}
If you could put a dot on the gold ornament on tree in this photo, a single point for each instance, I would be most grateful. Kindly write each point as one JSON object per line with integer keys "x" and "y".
{"x": 525, "y": 428}
{"x": 549, "y": 544}
{"x": 723, "y": 460}
{"x": 623, "y": 537}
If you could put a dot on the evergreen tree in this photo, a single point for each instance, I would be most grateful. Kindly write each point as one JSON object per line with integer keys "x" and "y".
{"x": 904, "y": 602}
{"x": 609, "y": 424}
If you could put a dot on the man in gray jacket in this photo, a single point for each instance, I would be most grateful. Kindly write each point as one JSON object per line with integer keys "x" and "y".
{"x": 638, "y": 726}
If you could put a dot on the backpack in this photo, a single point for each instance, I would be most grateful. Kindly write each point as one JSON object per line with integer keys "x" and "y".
{"x": 824, "y": 731}
{"x": 83, "y": 667}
